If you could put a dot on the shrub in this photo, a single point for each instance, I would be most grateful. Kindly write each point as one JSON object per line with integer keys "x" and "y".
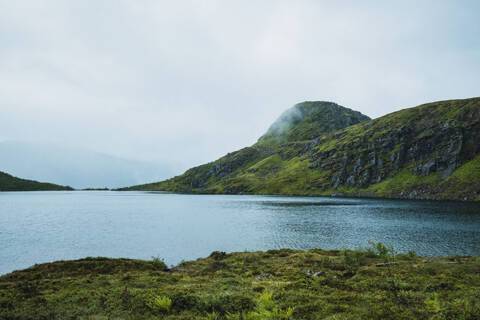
{"x": 186, "y": 301}
{"x": 381, "y": 250}
{"x": 218, "y": 255}
{"x": 353, "y": 259}
{"x": 28, "y": 288}
{"x": 159, "y": 264}
{"x": 216, "y": 266}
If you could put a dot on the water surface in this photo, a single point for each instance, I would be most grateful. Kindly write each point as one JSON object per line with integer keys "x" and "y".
{"x": 38, "y": 227}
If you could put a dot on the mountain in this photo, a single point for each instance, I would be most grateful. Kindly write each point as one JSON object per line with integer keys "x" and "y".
{"x": 307, "y": 120}
{"x": 75, "y": 167}
{"x": 11, "y": 183}
{"x": 431, "y": 151}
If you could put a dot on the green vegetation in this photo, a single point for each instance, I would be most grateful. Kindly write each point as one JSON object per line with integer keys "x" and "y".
{"x": 403, "y": 180}
{"x": 320, "y": 148}
{"x": 463, "y": 183}
{"x": 254, "y": 169}
{"x": 375, "y": 283}
{"x": 310, "y": 119}
{"x": 11, "y": 183}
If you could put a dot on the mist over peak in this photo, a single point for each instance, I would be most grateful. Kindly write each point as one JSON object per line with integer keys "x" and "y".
{"x": 176, "y": 81}
{"x": 309, "y": 119}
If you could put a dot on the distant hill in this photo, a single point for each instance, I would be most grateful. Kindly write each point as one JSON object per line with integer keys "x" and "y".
{"x": 11, "y": 183}
{"x": 76, "y": 167}
{"x": 430, "y": 151}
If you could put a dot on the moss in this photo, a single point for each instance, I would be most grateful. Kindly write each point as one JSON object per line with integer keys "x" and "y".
{"x": 404, "y": 181}
{"x": 326, "y": 145}
{"x": 464, "y": 183}
{"x": 289, "y": 284}
{"x": 468, "y": 172}
{"x": 266, "y": 166}
{"x": 275, "y": 176}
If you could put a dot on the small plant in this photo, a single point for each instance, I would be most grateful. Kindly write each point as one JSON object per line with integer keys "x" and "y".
{"x": 381, "y": 250}
{"x": 265, "y": 301}
{"x": 267, "y": 309}
{"x": 433, "y": 303}
{"x": 161, "y": 304}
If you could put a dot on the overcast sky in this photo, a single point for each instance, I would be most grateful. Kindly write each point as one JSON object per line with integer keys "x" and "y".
{"x": 184, "y": 82}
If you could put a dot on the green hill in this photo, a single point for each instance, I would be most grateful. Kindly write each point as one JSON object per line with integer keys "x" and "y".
{"x": 431, "y": 151}
{"x": 11, "y": 183}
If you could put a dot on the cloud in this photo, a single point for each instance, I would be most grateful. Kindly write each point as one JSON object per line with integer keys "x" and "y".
{"x": 187, "y": 81}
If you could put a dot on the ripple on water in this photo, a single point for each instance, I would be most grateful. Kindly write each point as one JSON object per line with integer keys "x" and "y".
{"x": 41, "y": 227}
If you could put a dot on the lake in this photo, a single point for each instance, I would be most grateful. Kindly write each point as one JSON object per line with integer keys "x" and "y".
{"x": 37, "y": 227}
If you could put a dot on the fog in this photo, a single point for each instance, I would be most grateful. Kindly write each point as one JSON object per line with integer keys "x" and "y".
{"x": 180, "y": 83}
{"x": 76, "y": 167}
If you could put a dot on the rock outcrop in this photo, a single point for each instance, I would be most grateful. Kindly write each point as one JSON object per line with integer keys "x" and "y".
{"x": 428, "y": 152}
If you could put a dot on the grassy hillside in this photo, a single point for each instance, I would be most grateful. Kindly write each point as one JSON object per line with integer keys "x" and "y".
{"x": 11, "y": 183}
{"x": 285, "y": 138}
{"x": 280, "y": 284}
{"x": 318, "y": 148}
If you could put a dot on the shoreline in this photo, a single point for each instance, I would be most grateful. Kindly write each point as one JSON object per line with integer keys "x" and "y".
{"x": 330, "y": 196}
{"x": 401, "y": 254}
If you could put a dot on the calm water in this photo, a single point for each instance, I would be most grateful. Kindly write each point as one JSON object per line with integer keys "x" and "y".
{"x": 39, "y": 227}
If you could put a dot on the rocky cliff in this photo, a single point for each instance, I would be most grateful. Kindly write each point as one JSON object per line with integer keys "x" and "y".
{"x": 430, "y": 151}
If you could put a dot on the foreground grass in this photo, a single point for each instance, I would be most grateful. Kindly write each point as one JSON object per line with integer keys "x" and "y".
{"x": 280, "y": 284}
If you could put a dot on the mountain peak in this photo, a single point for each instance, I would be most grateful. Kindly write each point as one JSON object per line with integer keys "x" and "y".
{"x": 427, "y": 152}
{"x": 310, "y": 119}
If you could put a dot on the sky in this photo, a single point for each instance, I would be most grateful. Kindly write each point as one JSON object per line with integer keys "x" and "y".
{"x": 181, "y": 83}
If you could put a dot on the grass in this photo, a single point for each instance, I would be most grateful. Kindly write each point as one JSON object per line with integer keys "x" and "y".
{"x": 275, "y": 176}
{"x": 469, "y": 171}
{"x": 404, "y": 181}
{"x": 277, "y": 284}
{"x": 426, "y": 152}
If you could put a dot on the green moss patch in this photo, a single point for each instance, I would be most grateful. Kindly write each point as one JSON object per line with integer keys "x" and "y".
{"x": 277, "y": 284}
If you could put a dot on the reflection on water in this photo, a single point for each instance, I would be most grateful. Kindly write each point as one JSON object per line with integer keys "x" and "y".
{"x": 44, "y": 226}
{"x": 288, "y": 204}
